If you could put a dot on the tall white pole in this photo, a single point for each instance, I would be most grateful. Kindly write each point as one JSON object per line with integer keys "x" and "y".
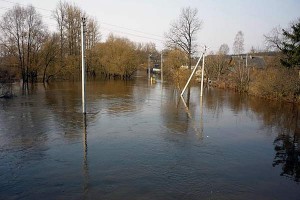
{"x": 201, "y": 117}
{"x": 161, "y": 67}
{"x": 247, "y": 66}
{"x": 202, "y": 73}
{"x": 149, "y": 66}
{"x": 83, "y": 63}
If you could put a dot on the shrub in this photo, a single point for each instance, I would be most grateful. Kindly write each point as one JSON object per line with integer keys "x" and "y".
{"x": 276, "y": 83}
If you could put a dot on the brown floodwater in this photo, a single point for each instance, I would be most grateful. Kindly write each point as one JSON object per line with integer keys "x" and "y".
{"x": 139, "y": 141}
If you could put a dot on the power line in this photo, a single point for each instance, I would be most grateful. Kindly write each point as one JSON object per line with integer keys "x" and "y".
{"x": 26, "y": 5}
{"x": 111, "y": 30}
{"x": 4, "y": 8}
{"x": 131, "y": 29}
{"x": 45, "y": 16}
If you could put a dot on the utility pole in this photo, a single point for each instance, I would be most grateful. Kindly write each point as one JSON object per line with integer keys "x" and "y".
{"x": 247, "y": 66}
{"x": 149, "y": 57}
{"x": 161, "y": 67}
{"x": 193, "y": 72}
{"x": 202, "y": 72}
{"x": 83, "y": 62}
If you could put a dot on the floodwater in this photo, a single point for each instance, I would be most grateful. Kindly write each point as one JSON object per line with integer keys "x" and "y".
{"x": 139, "y": 141}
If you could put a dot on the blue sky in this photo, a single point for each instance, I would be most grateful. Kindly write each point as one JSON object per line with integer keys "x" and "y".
{"x": 145, "y": 21}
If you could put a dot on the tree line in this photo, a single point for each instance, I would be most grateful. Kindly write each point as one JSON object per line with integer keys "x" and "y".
{"x": 29, "y": 51}
{"x": 270, "y": 73}
{"x": 278, "y": 78}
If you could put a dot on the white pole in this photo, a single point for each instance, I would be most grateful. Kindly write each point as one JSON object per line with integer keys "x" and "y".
{"x": 248, "y": 73}
{"x": 201, "y": 117}
{"x": 187, "y": 83}
{"x": 149, "y": 66}
{"x": 247, "y": 66}
{"x": 161, "y": 67}
{"x": 202, "y": 73}
{"x": 83, "y": 63}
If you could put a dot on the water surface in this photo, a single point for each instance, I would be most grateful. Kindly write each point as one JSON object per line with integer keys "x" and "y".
{"x": 139, "y": 141}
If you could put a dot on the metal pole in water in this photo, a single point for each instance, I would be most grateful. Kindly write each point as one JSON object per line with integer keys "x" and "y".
{"x": 202, "y": 73}
{"x": 83, "y": 63}
{"x": 149, "y": 56}
{"x": 161, "y": 67}
{"x": 201, "y": 118}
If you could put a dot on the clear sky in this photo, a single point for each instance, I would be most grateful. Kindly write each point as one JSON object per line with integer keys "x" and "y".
{"x": 148, "y": 20}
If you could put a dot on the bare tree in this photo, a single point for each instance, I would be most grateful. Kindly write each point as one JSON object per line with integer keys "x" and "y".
{"x": 68, "y": 17}
{"x": 285, "y": 41}
{"x": 220, "y": 60}
{"x": 49, "y": 56}
{"x": 217, "y": 64}
{"x": 224, "y": 49}
{"x": 241, "y": 72}
{"x": 275, "y": 39}
{"x": 118, "y": 57}
{"x": 12, "y": 28}
{"x": 60, "y": 15}
{"x": 238, "y": 44}
{"x": 73, "y": 23}
{"x": 173, "y": 61}
{"x": 92, "y": 33}
{"x": 36, "y": 34}
{"x": 182, "y": 33}
{"x": 22, "y": 33}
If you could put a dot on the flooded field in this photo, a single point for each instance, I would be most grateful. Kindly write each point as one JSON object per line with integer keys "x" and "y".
{"x": 138, "y": 141}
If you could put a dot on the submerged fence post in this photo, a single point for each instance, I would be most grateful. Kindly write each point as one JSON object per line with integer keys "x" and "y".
{"x": 83, "y": 63}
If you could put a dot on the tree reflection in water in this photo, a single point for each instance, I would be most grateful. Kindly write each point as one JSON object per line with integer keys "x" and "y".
{"x": 278, "y": 118}
{"x": 288, "y": 151}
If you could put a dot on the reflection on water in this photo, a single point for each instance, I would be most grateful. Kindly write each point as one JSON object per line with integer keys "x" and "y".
{"x": 198, "y": 131}
{"x": 288, "y": 155}
{"x": 142, "y": 141}
{"x": 85, "y": 158}
{"x": 280, "y": 119}
{"x": 287, "y": 147}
